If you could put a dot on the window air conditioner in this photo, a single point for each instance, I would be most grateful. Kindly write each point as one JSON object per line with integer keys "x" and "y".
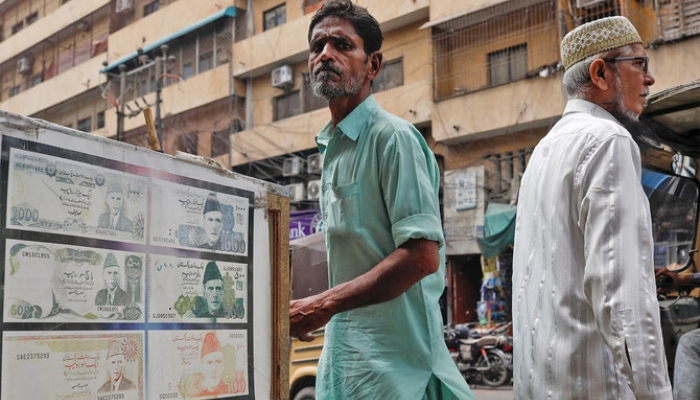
{"x": 123, "y": 6}
{"x": 313, "y": 189}
{"x": 282, "y": 77}
{"x": 314, "y": 163}
{"x": 296, "y": 191}
{"x": 24, "y": 66}
{"x": 292, "y": 166}
{"x": 588, "y": 3}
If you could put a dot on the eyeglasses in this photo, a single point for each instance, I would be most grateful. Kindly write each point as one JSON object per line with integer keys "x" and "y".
{"x": 645, "y": 61}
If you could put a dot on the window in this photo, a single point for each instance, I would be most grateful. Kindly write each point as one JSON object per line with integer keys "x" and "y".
{"x": 287, "y": 105}
{"x": 17, "y": 27}
{"x": 100, "y": 123}
{"x": 32, "y": 18}
{"x": 187, "y": 70}
{"x": 275, "y": 17}
{"x": 151, "y": 7}
{"x": 85, "y": 124}
{"x": 33, "y": 81}
{"x": 220, "y": 142}
{"x": 206, "y": 62}
{"x": 187, "y": 143}
{"x": 311, "y": 101}
{"x": 507, "y": 65}
{"x": 390, "y": 76}
{"x": 14, "y": 91}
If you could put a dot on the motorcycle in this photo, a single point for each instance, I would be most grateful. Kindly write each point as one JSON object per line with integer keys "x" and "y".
{"x": 479, "y": 359}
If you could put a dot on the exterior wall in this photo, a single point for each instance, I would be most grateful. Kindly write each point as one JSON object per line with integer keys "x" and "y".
{"x": 153, "y": 27}
{"x": 194, "y": 92}
{"x": 52, "y": 19}
{"x": 54, "y": 91}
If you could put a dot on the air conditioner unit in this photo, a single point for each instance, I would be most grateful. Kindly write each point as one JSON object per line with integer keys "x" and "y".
{"x": 296, "y": 191}
{"x": 24, "y": 66}
{"x": 314, "y": 163}
{"x": 292, "y": 166}
{"x": 313, "y": 189}
{"x": 283, "y": 76}
{"x": 588, "y": 3}
{"x": 123, "y": 6}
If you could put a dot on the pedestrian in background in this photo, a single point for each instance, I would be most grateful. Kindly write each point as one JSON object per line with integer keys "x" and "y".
{"x": 586, "y": 317}
{"x": 384, "y": 335}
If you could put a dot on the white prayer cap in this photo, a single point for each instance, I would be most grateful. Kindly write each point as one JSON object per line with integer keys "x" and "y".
{"x": 596, "y": 37}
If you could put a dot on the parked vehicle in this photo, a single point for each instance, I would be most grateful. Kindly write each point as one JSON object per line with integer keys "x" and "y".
{"x": 480, "y": 360}
{"x": 309, "y": 276}
{"x": 671, "y": 119}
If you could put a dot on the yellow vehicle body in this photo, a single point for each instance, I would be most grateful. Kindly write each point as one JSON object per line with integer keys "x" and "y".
{"x": 309, "y": 271}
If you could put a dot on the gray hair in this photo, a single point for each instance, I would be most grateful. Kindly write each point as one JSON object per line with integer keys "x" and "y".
{"x": 577, "y": 79}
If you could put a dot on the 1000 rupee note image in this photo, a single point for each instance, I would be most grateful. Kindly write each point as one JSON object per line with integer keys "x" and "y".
{"x": 73, "y": 365}
{"x": 200, "y": 219}
{"x": 57, "y": 195}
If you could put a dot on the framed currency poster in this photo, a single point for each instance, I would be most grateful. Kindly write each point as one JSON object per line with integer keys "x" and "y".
{"x": 131, "y": 274}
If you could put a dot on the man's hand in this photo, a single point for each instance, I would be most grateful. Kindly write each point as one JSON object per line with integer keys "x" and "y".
{"x": 667, "y": 281}
{"x": 307, "y": 315}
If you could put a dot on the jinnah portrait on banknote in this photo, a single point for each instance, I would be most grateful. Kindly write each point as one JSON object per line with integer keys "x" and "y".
{"x": 112, "y": 294}
{"x": 114, "y": 218}
{"x": 213, "y": 223}
{"x": 116, "y": 361}
{"x": 212, "y": 364}
{"x": 210, "y": 304}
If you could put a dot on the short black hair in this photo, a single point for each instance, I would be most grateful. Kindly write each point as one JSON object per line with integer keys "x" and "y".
{"x": 364, "y": 23}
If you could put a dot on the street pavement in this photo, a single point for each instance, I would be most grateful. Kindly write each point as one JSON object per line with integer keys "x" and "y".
{"x": 489, "y": 393}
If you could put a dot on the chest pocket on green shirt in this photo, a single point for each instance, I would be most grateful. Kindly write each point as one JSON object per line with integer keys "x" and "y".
{"x": 345, "y": 208}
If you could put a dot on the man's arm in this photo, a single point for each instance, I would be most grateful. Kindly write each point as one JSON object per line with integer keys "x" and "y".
{"x": 406, "y": 266}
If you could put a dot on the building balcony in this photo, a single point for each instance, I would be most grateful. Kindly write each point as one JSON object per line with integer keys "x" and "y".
{"x": 48, "y": 26}
{"x": 287, "y": 43}
{"x": 411, "y": 102}
{"x": 71, "y": 83}
{"x": 182, "y": 96}
{"x": 524, "y": 104}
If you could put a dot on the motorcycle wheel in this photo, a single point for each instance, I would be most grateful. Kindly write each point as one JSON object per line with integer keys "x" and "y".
{"x": 499, "y": 374}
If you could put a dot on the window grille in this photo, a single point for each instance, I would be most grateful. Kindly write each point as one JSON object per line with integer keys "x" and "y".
{"x": 287, "y": 105}
{"x": 390, "y": 76}
{"x": 462, "y": 46}
{"x": 275, "y": 17}
{"x": 507, "y": 65}
{"x": 311, "y": 101}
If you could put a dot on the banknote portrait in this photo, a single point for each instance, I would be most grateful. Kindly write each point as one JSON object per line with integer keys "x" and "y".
{"x": 112, "y": 294}
{"x": 195, "y": 218}
{"x": 62, "y": 196}
{"x": 114, "y": 217}
{"x": 47, "y": 282}
{"x": 197, "y": 290}
{"x": 75, "y": 365}
{"x": 199, "y": 364}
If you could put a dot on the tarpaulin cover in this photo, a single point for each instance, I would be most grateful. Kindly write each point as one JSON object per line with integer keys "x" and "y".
{"x": 499, "y": 229}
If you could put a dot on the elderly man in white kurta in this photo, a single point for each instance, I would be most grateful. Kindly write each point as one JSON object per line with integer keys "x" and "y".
{"x": 586, "y": 318}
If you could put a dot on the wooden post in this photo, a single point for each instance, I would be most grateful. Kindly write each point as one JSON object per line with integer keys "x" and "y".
{"x": 151, "y": 130}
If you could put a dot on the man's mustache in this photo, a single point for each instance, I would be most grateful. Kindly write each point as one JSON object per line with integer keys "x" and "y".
{"x": 326, "y": 66}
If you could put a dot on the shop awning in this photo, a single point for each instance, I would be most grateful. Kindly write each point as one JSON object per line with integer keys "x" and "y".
{"x": 227, "y": 12}
{"x": 499, "y": 229}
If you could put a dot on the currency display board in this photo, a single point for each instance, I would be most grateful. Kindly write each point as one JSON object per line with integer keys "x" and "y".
{"x": 131, "y": 274}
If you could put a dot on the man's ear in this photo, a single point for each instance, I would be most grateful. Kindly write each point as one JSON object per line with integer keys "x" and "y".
{"x": 375, "y": 65}
{"x": 597, "y": 72}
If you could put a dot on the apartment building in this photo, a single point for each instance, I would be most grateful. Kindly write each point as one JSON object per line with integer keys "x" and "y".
{"x": 228, "y": 79}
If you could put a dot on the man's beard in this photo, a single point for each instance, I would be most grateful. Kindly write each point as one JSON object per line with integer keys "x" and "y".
{"x": 323, "y": 86}
{"x": 642, "y": 133}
